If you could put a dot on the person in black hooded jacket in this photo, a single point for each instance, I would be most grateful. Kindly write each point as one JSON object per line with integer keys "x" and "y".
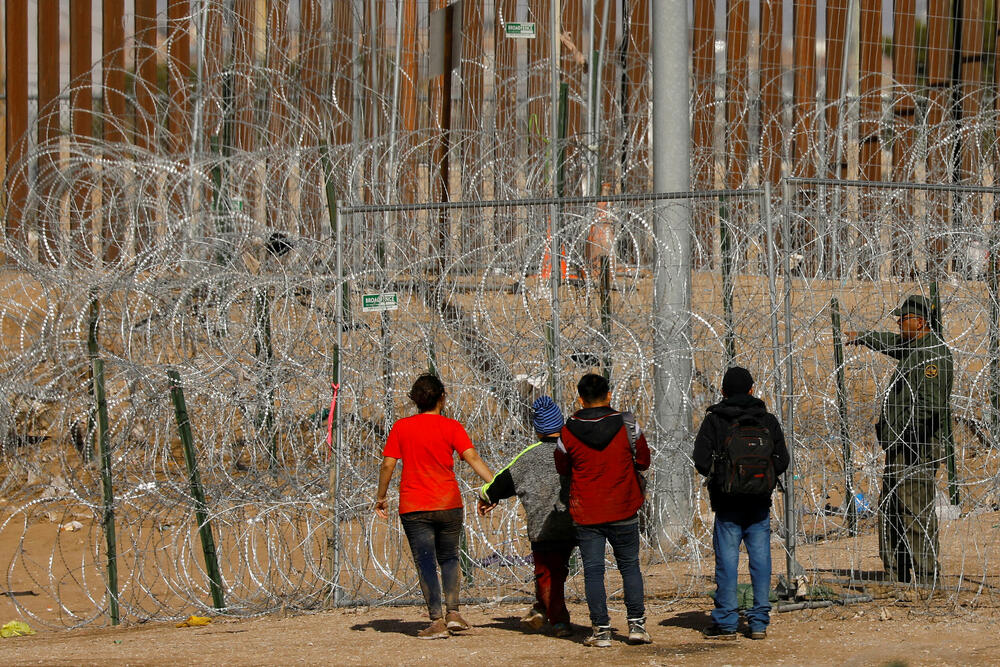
{"x": 738, "y": 518}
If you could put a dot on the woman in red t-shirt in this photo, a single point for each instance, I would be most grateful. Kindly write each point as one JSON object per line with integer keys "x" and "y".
{"x": 430, "y": 504}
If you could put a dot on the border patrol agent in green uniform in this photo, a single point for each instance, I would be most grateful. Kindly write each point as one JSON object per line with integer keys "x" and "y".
{"x": 908, "y": 430}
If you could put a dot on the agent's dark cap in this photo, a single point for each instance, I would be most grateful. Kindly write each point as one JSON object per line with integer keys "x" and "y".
{"x": 546, "y": 417}
{"x": 916, "y": 305}
{"x": 737, "y": 380}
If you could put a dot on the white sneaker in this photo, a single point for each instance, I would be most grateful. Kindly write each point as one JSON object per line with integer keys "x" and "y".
{"x": 600, "y": 636}
{"x": 637, "y": 631}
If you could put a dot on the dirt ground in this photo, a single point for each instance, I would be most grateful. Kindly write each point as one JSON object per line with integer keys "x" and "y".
{"x": 890, "y": 630}
{"x": 898, "y": 633}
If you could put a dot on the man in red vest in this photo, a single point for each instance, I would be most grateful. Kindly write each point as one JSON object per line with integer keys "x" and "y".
{"x": 603, "y": 450}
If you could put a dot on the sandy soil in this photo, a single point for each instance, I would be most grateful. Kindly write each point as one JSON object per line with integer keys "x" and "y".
{"x": 876, "y": 633}
{"x": 908, "y": 631}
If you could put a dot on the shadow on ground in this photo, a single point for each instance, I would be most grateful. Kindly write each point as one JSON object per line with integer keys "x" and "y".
{"x": 393, "y": 625}
{"x": 856, "y": 575}
{"x": 513, "y": 624}
{"x": 692, "y": 620}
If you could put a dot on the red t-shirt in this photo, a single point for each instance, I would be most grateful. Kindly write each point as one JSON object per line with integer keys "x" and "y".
{"x": 425, "y": 444}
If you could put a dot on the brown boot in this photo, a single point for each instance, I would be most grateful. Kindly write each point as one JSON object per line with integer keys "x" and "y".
{"x": 534, "y": 619}
{"x": 436, "y": 630}
{"x": 455, "y": 622}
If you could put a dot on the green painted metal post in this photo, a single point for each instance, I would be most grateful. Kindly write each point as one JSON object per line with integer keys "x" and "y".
{"x": 725, "y": 248}
{"x": 606, "y": 311}
{"x": 93, "y": 317}
{"x": 845, "y": 438}
{"x": 431, "y": 358}
{"x": 108, "y": 515}
{"x": 561, "y": 166}
{"x": 592, "y": 132}
{"x": 552, "y": 328}
{"x": 220, "y": 208}
{"x": 265, "y": 353}
{"x": 947, "y": 434}
{"x": 197, "y": 492}
{"x": 550, "y": 354}
{"x": 993, "y": 287}
{"x": 333, "y": 535}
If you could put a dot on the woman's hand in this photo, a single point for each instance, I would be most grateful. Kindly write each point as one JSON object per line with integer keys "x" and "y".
{"x": 384, "y": 475}
{"x": 484, "y": 507}
{"x": 382, "y": 507}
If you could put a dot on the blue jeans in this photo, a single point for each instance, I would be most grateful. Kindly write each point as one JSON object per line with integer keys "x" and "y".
{"x": 624, "y": 540}
{"x": 753, "y": 528}
{"x": 434, "y": 538}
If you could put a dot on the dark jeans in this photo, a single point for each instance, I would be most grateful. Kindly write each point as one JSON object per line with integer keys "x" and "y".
{"x": 753, "y": 528}
{"x": 624, "y": 540}
{"x": 434, "y": 538}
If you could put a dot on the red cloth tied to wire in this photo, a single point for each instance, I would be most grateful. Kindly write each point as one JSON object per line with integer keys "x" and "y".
{"x": 329, "y": 421}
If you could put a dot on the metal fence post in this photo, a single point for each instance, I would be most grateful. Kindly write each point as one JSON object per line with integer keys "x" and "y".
{"x": 993, "y": 287}
{"x": 673, "y": 367}
{"x": 555, "y": 255}
{"x": 108, "y": 509}
{"x": 197, "y": 490}
{"x": 845, "y": 437}
{"x": 333, "y": 539}
{"x": 726, "y": 250}
{"x": 772, "y": 293}
{"x": 791, "y": 564}
{"x": 947, "y": 434}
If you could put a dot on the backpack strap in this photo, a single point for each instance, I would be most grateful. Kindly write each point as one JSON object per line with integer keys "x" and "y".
{"x": 719, "y": 445}
{"x": 630, "y": 431}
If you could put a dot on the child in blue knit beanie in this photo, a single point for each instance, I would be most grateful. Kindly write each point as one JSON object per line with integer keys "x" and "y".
{"x": 532, "y": 477}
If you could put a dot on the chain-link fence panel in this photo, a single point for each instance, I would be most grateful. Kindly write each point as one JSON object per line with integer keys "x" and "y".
{"x": 894, "y": 425}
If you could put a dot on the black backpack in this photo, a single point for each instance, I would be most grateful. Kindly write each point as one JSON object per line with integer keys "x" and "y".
{"x": 744, "y": 466}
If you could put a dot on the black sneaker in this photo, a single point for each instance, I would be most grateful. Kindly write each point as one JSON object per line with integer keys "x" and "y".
{"x": 637, "y": 631}
{"x": 717, "y": 632}
{"x": 562, "y": 630}
{"x": 757, "y": 634}
{"x": 600, "y": 637}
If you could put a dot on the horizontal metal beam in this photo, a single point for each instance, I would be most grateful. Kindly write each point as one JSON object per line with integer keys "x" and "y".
{"x": 893, "y": 185}
{"x": 545, "y": 201}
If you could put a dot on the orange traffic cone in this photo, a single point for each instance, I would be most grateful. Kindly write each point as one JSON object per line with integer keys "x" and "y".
{"x": 546, "y": 268}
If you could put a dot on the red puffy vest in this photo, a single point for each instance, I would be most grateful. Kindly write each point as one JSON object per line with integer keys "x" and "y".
{"x": 603, "y": 485}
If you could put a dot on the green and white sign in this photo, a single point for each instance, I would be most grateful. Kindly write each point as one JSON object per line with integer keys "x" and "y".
{"x": 376, "y": 303}
{"x": 519, "y": 30}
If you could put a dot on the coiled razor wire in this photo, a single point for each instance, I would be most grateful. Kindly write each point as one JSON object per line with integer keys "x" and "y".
{"x": 221, "y": 265}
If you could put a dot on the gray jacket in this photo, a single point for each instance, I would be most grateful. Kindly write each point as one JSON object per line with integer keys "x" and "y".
{"x": 532, "y": 477}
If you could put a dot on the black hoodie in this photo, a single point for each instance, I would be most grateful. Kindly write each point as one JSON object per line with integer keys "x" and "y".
{"x": 711, "y": 435}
